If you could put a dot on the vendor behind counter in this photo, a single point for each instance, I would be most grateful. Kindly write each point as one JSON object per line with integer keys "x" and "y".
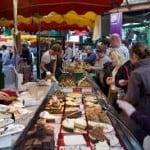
{"x": 49, "y": 60}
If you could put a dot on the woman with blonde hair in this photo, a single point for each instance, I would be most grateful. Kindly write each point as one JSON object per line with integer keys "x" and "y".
{"x": 117, "y": 60}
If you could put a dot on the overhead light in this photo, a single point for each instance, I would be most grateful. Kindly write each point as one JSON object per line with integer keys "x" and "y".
{"x": 130, "y": 24}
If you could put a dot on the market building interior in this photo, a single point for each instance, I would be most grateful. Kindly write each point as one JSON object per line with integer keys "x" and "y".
{"x": 74, "y": 75}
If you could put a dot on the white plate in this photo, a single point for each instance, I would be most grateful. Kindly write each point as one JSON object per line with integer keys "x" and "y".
{"x": 106, "y": 127}
{"x": 11, "y": 129}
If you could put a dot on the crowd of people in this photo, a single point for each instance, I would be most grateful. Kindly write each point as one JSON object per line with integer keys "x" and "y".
{"x": 8, "y": 54}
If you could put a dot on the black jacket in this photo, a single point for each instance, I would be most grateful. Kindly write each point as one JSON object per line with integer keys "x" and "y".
{"x": 107, "y": 69}
{"x": 123, "y": 73}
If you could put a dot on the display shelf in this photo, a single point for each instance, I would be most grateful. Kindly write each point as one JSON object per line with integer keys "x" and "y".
{"x": 123, "y": 132}
{"x": 125, "y": 137}
{"x": 28, "y": 120}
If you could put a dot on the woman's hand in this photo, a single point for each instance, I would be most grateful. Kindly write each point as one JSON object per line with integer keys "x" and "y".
{"x": 127, "y": 107}
{"x": 109, "y": 80}
{"x": 4, "y": 96}
{"x": 123, "y": 82}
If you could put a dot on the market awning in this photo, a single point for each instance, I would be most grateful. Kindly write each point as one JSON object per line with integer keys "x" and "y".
{"x": 29, "y": 8}
{"x": 53, "y": 20}
{"x": 55, "y": 14}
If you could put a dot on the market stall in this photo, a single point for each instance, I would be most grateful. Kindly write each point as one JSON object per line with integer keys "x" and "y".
{"x": 77, "y": 119}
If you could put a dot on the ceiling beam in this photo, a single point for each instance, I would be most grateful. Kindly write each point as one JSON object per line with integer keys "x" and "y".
{"x": 129, "y": 8}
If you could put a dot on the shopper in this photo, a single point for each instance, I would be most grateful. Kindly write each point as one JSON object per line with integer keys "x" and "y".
{"x": 123, "y": 76}
{"x": 105, "y": 43}
{"x": 49, "y": 60}
{"x": 117, "y": 61}
{"x": 91, "y": 56}
{"x": 116, "y": 43}
{"x": 107, "y": 71}
{"x": 68, "y": 53}
{"x": 5, "y": 55}
{"x": 26, "y": 54}
{"x": 98, "y": 67}
{"x": 138, "y": 92}
{"x": 78, "y": 55}
{"x": 102, "y": 58}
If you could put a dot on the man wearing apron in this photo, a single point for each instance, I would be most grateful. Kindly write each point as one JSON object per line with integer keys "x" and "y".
{"x": 49, "y": 60}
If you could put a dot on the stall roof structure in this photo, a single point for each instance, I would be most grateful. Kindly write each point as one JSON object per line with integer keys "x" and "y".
{"x": 29, "y": 8}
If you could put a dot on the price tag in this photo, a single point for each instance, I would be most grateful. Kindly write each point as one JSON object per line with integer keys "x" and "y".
{"x": 87, "y": 90}
{"x": 78, "y": 90}
{"x": 67, "y": 90}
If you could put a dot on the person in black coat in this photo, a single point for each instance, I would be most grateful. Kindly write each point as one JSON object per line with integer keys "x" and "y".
{"x": 123, "y": 75}
{"x": 107, "y": 69}
{"x": 26, "y": 54}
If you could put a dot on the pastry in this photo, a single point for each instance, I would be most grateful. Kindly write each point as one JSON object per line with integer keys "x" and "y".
{"x": 80, "y": 123}
{"x": 37, "y": 144}
{"x": 46, "y": 115}
{"x": 96, "y": 114}
{"x": 91, "y": 99}
{"x": 49, "y": 130}
{"x": 96, "y": 134}
{"x": 90, "y": 104}
{"x": 69, "y": 99}
{"x": 48, "y": 143}
{"x": 72, "y": 104}
{"x": 68, "y": 125}
{"x": 41, "y": 128}
{"x": 59, "y": 94}
{"x": 84, "y": 83}
{"x": 32, "y": 133}
{"x": 74, "y": 95}
{"x": 69, "y": 110}
{"x": 67, "y": 83}
{"x": 55, "y": 106}
{"x": 29, "y": 142}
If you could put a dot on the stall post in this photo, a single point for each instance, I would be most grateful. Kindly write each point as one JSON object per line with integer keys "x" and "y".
{"x": 16, "y": 35}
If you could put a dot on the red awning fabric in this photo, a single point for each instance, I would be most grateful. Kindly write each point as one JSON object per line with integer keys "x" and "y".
{"x": 29, "y": 8}
{"x": 49, "y": 26}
